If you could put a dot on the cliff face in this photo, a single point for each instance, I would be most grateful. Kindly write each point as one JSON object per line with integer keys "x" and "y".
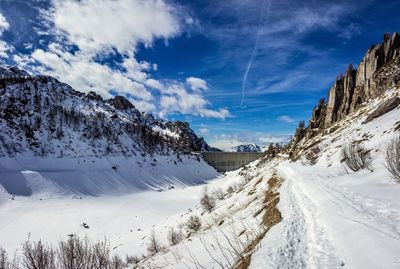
{"x": 378, "y": 71}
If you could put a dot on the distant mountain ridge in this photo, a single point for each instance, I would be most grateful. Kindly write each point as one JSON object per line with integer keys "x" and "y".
{"x": 33, "y": 107}
{"x": 246, "y": 148}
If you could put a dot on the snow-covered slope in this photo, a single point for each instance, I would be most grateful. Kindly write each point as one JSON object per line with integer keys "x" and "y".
{"x": 54, "y": 138}
{"x": 335, "y": 217}
{"x": 329, "y": 216}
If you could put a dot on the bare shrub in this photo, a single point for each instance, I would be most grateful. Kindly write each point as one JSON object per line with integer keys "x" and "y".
{"x": 393, "y": 159}
{"x": 38, "y": 256}
{"x": 356, "y": 157}
{"x": 5, "y": 262}
{"x": 132, "y": 259}
{"x": 115, "y": 263}
{"x": 100, "y": 253}
{"x": 230, "y": 190}
{"x": 193, "y": 223}
{"x": 154, "y": 246}
{"x": 75, "y": 253}
{"x": 235, "y": 187}
{"x": 218, "y": 194}
{"x": 174, "y": 236}
{"x": 207, "y": 202}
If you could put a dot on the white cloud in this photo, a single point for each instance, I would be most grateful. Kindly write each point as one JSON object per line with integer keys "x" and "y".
{"x": 203, "y": 129}
{"x": 177, "y": 99}
{"x": 197, "y": 84}
{"x": 4, "y": 25}
{"x": 155, "y": 84}
{"x": 4, "y": 49}
{"x": 121, "y": 24}
{"x": 84, "y": 74}
{"x": 286, "y": 119}
{"x": 143, "y": 105}
{"x": 4, "y": 46}
{"x": 99, "y": 29}
{"x": 228, "y": 143}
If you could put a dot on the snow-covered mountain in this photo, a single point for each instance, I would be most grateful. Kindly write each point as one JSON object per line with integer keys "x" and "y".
{"x": 246, "y": 148}
{"x": 63, "y": 136}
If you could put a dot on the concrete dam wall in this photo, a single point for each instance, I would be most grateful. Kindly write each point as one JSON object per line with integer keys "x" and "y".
{"x": 229, "y": 161}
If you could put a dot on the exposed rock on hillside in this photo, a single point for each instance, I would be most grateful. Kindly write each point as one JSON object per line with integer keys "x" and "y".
{"x": 378, "y": 71}
{"x": 387, "y": 106}
{"x": 120, "y": 102}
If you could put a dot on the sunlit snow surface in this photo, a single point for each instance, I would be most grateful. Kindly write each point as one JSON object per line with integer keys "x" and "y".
{"x": 332, "y": 218}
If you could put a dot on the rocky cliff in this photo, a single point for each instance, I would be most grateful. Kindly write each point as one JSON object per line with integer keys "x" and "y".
{"x": 378, "y": 71}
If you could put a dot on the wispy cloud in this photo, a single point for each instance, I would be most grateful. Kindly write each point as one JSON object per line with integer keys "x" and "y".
{"x": 204, "y": 130}
{"x": 281, "y": 48}
{"x": 286, "y": 119}
{"x": 4, "y": 25}
{"x": 5, "y": 48}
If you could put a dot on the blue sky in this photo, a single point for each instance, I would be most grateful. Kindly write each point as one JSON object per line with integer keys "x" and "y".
{"x": 238, "y": 71}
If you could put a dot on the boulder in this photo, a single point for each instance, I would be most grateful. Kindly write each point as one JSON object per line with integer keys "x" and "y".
{"x": 386, "y": 107}
{"x": 121, "y": 103}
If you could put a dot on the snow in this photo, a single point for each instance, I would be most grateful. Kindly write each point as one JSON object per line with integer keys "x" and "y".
{"x": 331, "y": 217}
{"x": 27, "y": 175}
{"x": 165, "y": 132}
{"x": 118, "y": 218}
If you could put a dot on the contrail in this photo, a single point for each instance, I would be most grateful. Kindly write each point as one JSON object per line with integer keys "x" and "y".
{"x": 254, "y": 52}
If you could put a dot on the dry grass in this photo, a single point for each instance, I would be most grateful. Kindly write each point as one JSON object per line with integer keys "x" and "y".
{"x": 271, "y": 217}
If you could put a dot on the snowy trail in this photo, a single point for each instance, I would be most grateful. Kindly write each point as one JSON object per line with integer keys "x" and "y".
{"x": 328, "y": 225}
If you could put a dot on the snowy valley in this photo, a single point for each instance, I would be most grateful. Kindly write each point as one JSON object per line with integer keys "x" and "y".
{"x": 76, "y": 165}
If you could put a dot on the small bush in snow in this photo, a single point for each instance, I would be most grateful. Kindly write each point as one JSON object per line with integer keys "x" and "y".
{"x": 174, "y": 236}
{"x": 393, "y": 159}
{"x": 132, "y": 259}
{"x": 356, "y": 157}
{"x": 74, "y": 253}
{"x": 37, "y": 255}
{"x": 5, "y": 262}
{"x": 218, "y": 194}
{"x": 153, "y": 246}
{"x": 230, "y": 190}
{"x": 194, "y": 223}
{"x": 207, "y": 202}
{"x": 115, "y": 263}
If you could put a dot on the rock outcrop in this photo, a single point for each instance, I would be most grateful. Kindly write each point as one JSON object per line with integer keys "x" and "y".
{"x": 378, "y": 70}
{"x": 121, "y": 103}
{"x": 386, "y": 107}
